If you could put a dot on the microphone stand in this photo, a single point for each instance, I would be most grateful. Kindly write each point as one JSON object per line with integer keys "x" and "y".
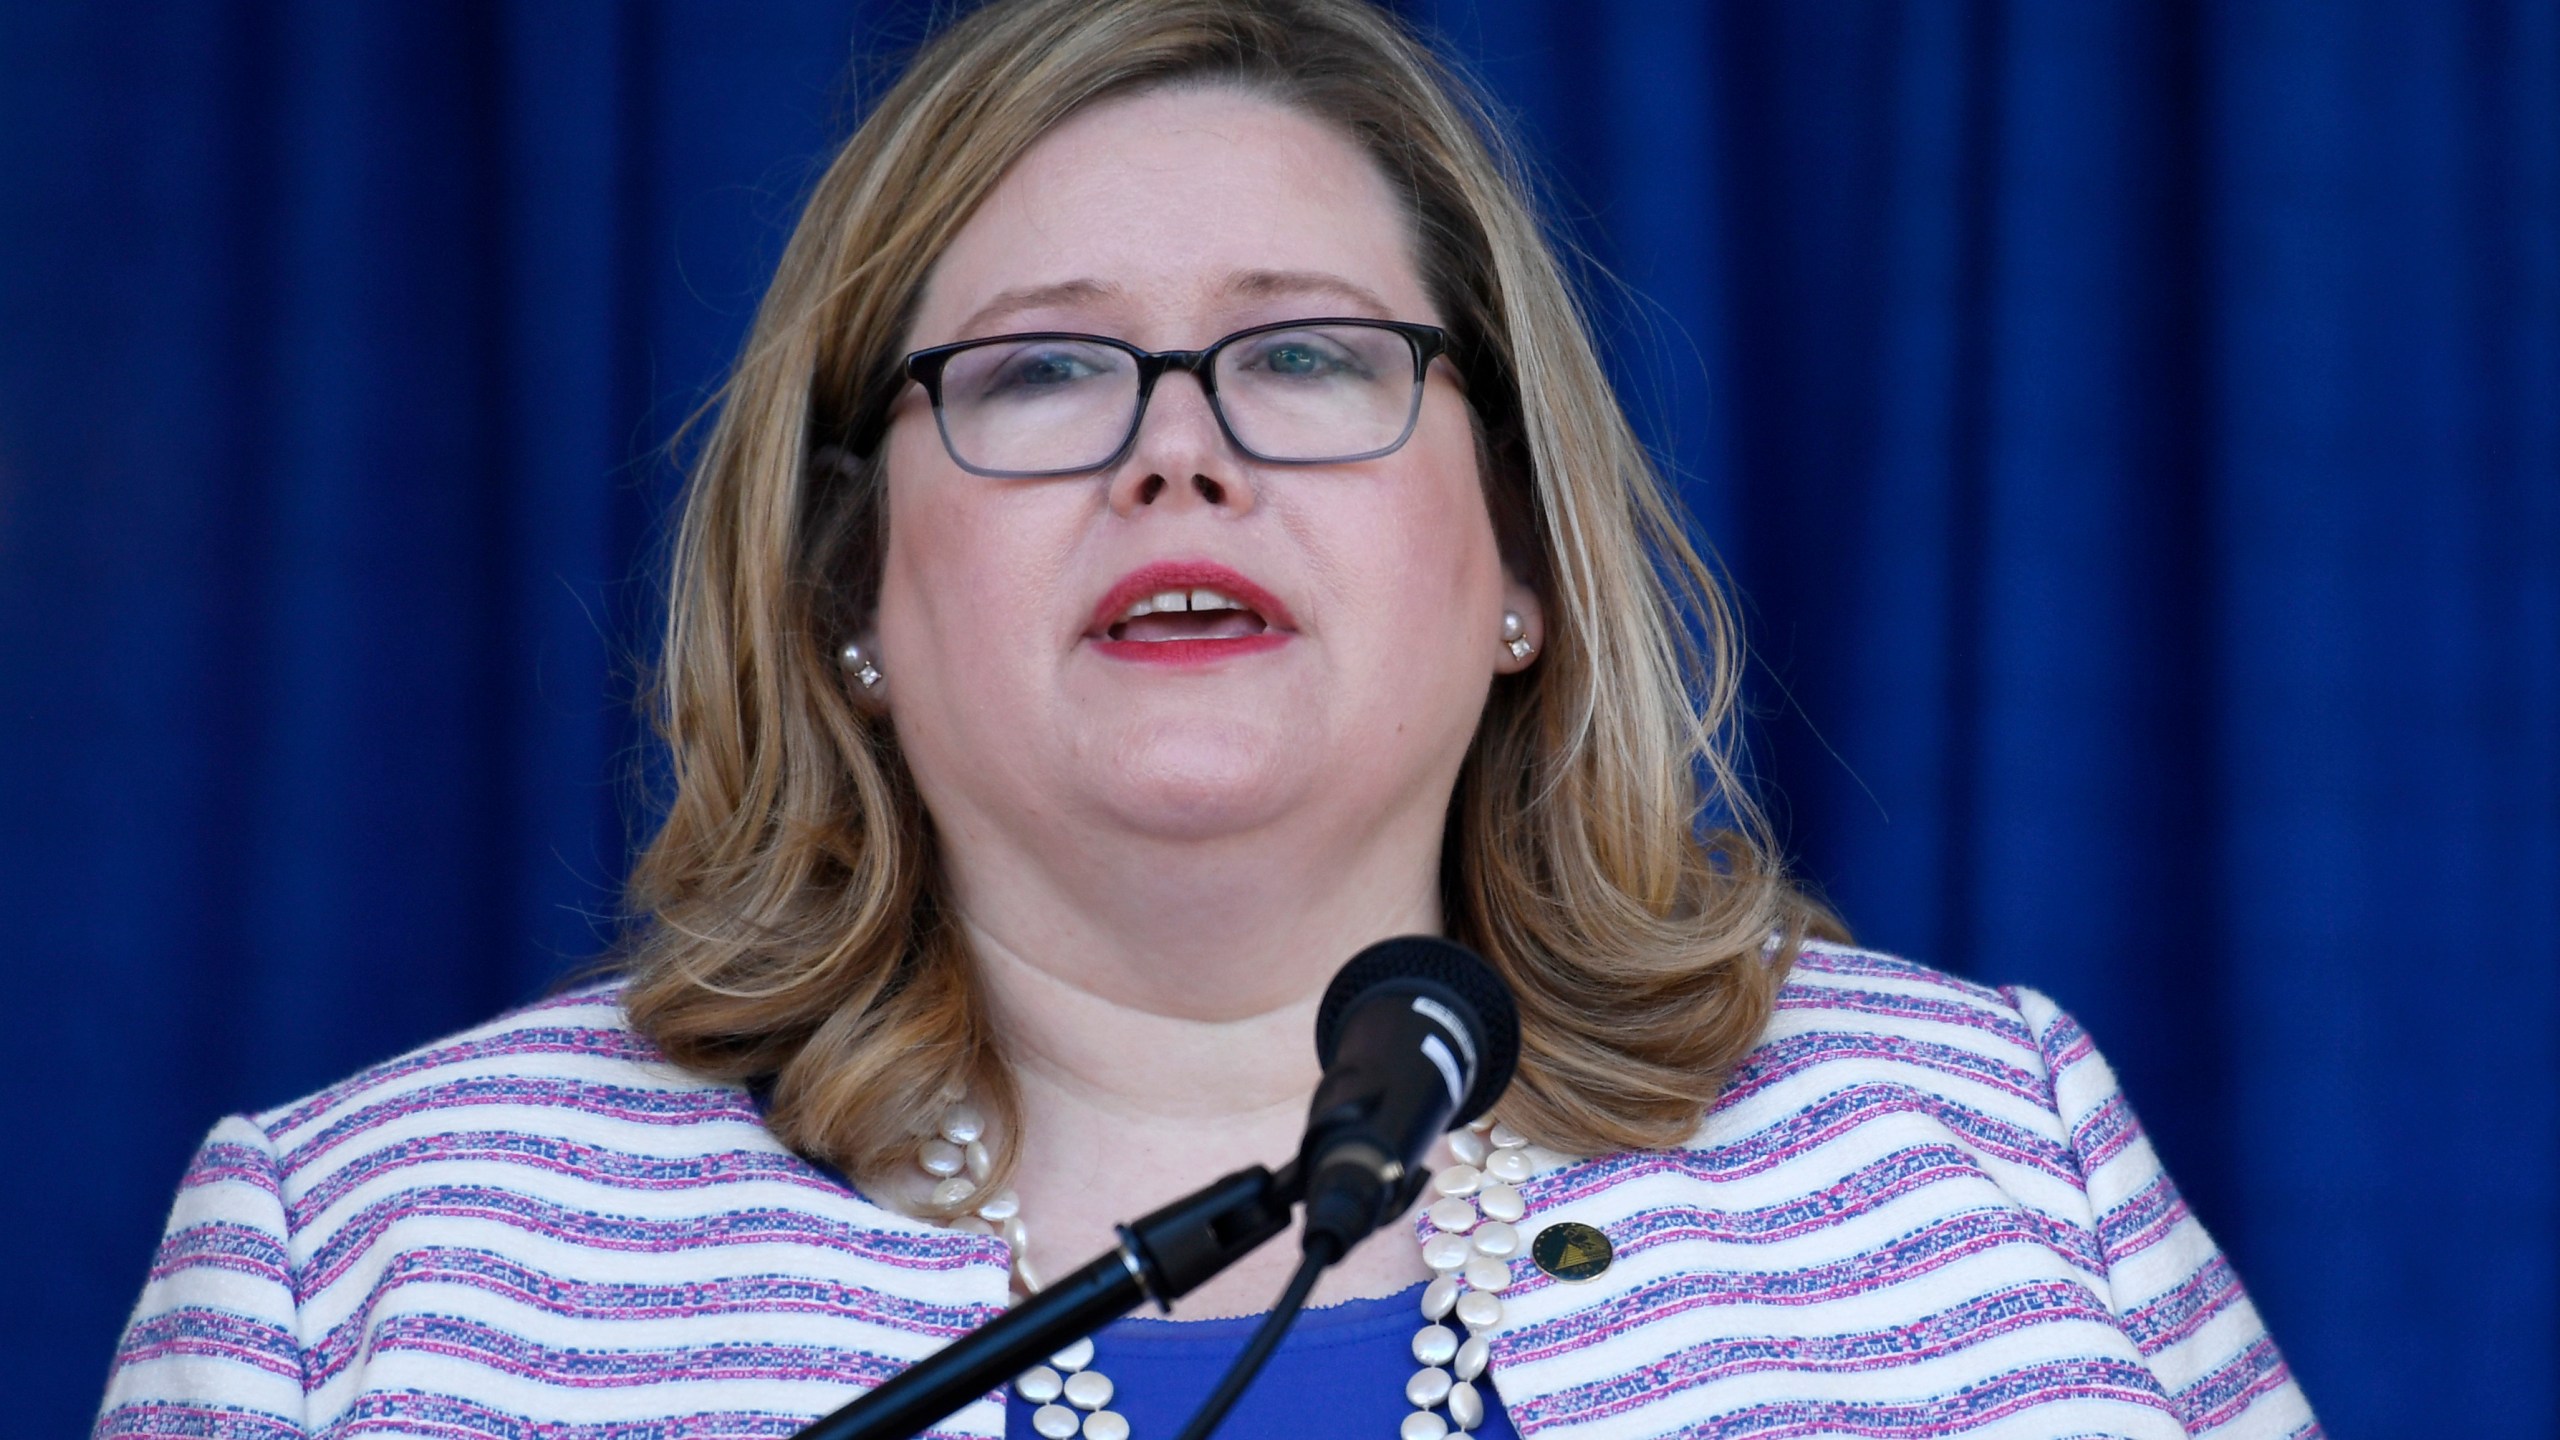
{"x": 1162, "y": 1257}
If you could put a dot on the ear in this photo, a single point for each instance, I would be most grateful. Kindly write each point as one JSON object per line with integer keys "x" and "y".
{"x": 1521, "y": 600}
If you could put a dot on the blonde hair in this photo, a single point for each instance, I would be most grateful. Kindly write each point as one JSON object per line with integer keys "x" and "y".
{"x": 1601, "y": 850}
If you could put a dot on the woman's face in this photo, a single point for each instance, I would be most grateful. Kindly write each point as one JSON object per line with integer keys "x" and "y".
{"x": 1034, "y": 710}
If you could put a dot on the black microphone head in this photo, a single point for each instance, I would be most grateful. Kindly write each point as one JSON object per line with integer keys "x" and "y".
{"x": 1449, "y": 973}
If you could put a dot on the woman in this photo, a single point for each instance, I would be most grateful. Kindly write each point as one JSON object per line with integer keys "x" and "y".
{"x": 1168, "y": 530}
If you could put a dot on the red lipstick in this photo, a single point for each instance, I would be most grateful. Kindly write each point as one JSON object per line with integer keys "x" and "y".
{"x": 1150, "y": 580}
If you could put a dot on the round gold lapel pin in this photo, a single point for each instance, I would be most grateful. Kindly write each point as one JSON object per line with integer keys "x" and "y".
{"x": 1572, "y": 1251}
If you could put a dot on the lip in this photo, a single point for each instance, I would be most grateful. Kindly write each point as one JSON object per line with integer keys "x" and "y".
{"x": 1147, "y": 580}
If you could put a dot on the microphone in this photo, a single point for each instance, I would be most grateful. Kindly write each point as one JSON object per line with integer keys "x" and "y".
{"x": 1417, "y": 1035}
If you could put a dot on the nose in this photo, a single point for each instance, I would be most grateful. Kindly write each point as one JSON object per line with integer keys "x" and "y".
{"x": 1181, "y": 457}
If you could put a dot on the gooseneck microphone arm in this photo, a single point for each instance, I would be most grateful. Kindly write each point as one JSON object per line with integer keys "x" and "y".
{"x": 1164, "y": 1256}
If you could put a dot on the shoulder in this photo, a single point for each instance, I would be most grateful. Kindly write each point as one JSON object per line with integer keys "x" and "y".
{"x": 1853, "y": 987}
{"x": 1913, "y": 1176}
{"x": 573, "y": 1055}
{"x": 1867, "y": 1055}
{"x": 553, "y": 1121}
{"x": 580, "y": 1032}
{"x": 510, "y": 1221}
{"x": 1848, "y": 1016}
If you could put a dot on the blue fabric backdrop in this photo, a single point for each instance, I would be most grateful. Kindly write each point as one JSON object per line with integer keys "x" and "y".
{"x": 2135, "y": 427}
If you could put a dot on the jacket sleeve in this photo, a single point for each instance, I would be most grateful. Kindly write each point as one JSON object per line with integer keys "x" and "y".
{"x": 212, "y": 1350}
{"x": 2176, "y": 1296}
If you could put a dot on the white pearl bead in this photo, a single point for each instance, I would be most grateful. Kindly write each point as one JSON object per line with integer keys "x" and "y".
{"x": 962, "y": 1124}
{"x": 1469, "y": 1147}
{"x": 1509, "y": 1166}
{"x": 1003, "y": 1207}
{"x": 1439, "y": 1298}
{"x": 1506, "y": 1138}
{"x": 1428, "y": 1387}
{"x": 1074, "y": 1357}
{"x": 1422, "y": 1425}
{"x": 1040, "y": 1384}
{"x": 1466, "y": 1406}
{"x": 1473, "y": 1357}
{"x": 1088, "y": 1389}
{"x": 1106, "y": 1425}
{"x": 1501, "y": 1202}
{"x": 1024, "y": 1277}
{"x": 1055, "y": 1422}
{"x": 980, "y": 1161}
{"x": 1458, "y": 1180}
{"x": 953, "y": 1191}
{"x": 1453, "y": 1215}
{"x": 1435, "y": 1345}
{"x": 1446, "y": 1253}
{"x": 941, "y": 1159}
{"x": 1479, "y": 1311}
{"x": 1486, "y": 1273}
{"x": 972, "y": 1225}
{"x": 1015, "y": 1233}
{"x": 1497, "y": 1240}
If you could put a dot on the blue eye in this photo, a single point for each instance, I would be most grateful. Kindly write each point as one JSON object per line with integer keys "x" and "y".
{"x": 1306, "y": 357}
{"x": 1295, "y": 360}
{"x": 1036, "y": 368}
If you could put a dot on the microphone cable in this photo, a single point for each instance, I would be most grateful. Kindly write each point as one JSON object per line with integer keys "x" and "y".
{"x": 1266, "y": 1339}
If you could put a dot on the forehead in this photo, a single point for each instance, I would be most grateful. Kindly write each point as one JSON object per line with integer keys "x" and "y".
{"x": 1167, "y": 211}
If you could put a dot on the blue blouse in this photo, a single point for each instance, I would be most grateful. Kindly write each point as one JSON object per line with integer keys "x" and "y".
{"x": 1341, "y": 1371}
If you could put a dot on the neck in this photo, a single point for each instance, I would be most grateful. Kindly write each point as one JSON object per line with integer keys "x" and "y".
{"x": 1221, "y": 928}
{"x": 1160, "y": 1021}
{"x": 1086, "y": 1045}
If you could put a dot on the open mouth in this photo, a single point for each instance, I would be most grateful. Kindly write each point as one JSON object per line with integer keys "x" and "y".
{"x": 1196, "y": 613}
{"x": 1189, "y": 612}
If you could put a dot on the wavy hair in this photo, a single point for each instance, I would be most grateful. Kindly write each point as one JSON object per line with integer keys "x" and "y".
{"x": 1601, "y": 849}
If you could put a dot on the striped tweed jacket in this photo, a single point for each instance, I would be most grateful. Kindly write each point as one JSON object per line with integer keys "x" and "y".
{"x": 1921, "y": 1208}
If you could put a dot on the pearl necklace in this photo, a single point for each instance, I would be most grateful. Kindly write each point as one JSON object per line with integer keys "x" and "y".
{"x": 1474, "y": 1225}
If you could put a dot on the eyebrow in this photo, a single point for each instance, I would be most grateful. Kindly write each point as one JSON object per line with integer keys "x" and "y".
{"x": 1033, "y": 297}
{"x": 1261, "y": 284}
{"x": 1251, "y": 284}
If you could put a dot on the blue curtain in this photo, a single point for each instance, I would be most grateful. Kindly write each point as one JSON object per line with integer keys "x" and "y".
{"x": 2134, "y": 427}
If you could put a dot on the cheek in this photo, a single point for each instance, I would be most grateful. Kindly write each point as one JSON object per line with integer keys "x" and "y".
{"x": 1423, "y": 581}
{"x": 917, "y": 537}
{"x": 1447, "y": 563}
{"x": 954, "y": 566}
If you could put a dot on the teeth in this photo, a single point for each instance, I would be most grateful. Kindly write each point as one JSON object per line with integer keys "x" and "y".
{"x": 1178, "y": 601}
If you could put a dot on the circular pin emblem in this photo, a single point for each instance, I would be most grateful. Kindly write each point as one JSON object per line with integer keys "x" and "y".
{"x": 1572, "y": 1251}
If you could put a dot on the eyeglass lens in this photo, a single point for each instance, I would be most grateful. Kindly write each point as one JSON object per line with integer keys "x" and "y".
{"x": 1302, "y": 394}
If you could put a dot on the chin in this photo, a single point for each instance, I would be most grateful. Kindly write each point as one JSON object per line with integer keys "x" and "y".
{"x": 1183, "y": 789}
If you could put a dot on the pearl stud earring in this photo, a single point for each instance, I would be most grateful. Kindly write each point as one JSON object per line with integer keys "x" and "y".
{"x": 1515, "y": 636}
{"x": 855, "y": 659}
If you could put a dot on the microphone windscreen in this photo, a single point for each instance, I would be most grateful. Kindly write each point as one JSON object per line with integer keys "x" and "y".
{"x": 1448, "y": 972}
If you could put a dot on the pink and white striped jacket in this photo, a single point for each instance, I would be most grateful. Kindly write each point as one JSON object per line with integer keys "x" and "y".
{"x": 1921, "y": 1208}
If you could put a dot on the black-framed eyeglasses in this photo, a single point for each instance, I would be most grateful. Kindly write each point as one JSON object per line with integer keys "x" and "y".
{"x": 1302, "y": 392}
